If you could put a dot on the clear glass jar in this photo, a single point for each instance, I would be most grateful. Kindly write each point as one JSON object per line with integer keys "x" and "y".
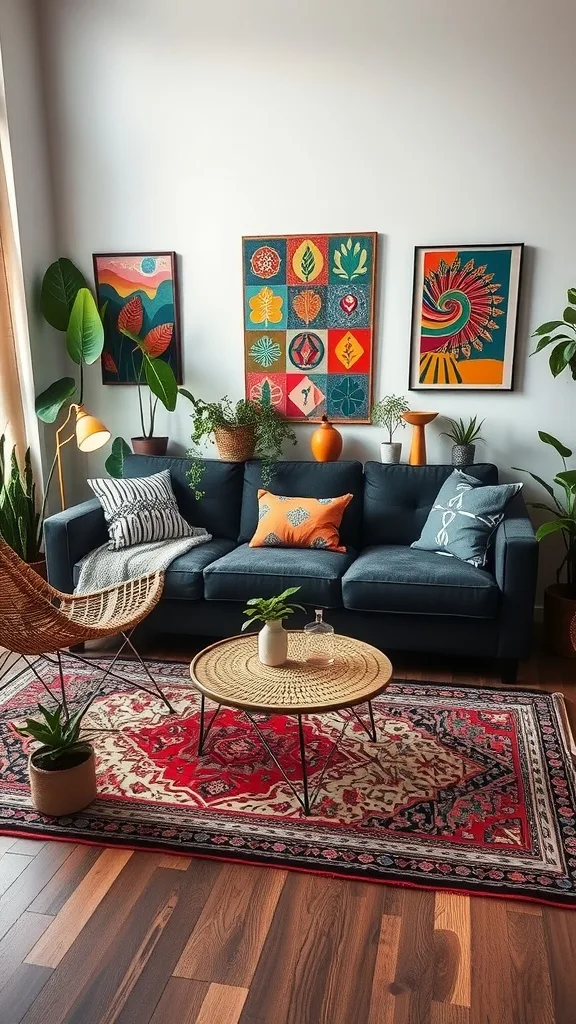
{"x": 319, "y": 641}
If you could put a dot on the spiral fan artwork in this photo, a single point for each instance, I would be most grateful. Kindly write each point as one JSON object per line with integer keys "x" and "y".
{"x": 467, "y": 316}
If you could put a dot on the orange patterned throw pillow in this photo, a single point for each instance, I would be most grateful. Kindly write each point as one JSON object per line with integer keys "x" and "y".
{"x": 299, "y": 522}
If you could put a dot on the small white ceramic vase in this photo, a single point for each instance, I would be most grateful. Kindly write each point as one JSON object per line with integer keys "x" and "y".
{"x": 390, "y": 452}
{"x": 273, "y": 643}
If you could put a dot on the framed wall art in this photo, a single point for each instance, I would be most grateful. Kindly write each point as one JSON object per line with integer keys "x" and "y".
{"x": 464, "y": 317}
{"x": 309, "y": 324}
{"x": 138, "y": 294}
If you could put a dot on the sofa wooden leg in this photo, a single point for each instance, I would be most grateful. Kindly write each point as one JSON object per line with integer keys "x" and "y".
{"x": 509, "y": 671}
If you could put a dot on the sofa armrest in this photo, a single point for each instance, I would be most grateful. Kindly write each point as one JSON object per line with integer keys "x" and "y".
{"x": 516, "y": 569}
{"x": 70, "y": 535}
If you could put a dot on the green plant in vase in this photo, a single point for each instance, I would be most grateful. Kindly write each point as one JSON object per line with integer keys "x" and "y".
{"x": 241, "y": 431}
{"x": 387, "y": 413}
{"x": 271, "y": 611}
{"x": 464, "y": 437}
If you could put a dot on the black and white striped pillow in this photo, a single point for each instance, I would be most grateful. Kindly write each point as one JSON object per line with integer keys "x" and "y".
{"x": 139, "y": 510}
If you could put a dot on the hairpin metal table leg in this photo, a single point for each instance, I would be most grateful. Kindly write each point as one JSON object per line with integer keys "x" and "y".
{"x": 306, "y": 801}
{"x": 203, "y": 733}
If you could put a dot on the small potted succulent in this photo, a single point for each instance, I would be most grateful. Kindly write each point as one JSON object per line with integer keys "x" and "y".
{"x": 464, "y": 437}
{"x": 62, "y": 769}
{"x": 272, "y": 638}
{"x": 387, "y": 413}
{"x": 242, "y": 431}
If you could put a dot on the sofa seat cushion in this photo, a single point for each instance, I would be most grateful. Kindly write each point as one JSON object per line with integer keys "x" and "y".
{"x": 184, "y": 580}
{"x": 396, "y": 578}
{"x": 263, "y": 572}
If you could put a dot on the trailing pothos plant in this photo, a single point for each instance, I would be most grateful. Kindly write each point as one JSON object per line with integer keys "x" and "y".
{"x": 561, "y": 334}
{"x": 271, "y": 431}
{"x": 562, "y": 508}
{"x": 68, "y": 305}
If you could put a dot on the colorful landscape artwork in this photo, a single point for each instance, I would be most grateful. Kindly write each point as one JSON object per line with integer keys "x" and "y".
{"x": 138, "y": 297}
{"x": 464, "y": 317}
{"x": 309, "y": 324}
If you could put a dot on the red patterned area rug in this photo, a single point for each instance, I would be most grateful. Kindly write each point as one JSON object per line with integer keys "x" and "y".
{"x": 465, "y": 789}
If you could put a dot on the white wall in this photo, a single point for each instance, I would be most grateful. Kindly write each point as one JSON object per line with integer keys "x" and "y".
{"x": 181, "y": 124}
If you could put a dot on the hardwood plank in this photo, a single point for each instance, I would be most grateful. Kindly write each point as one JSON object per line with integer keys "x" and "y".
{"x": 11, "y": 866}
{"x": 28, "y": 846}
{"x": 491, "y": 969}
{"x": 447, "y": 1013}
{"x": 223, "y": 1003}
{"x": 382, "y": 1001}
{"x": 531, "y": 990}
{"x": 66, "y": 880}
{"x": 414, "y": 979}
{"x": 560, "y": 935}
{"x": 20, "y": 992}
{"x": 6, "y": 842}
{"x": 78, "y": 909}
{"x": 177, "y": 863}
{"x": 452, "y": 948}
{"x": 193, "y": 888}
{"x": 324, "y": 935}
{"x": 19, "y": 941}
{"x": 81, "y": 962}
{"x": 226, "y": 943}
{"x": 180, "y": 1002}
{"x": 39, "y": 871}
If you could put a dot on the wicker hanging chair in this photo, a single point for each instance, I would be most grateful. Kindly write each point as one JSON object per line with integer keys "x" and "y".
{"x": 38, "y": 620}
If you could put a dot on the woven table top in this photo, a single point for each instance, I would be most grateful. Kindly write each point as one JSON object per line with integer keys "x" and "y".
{"x": 230, "y": 672}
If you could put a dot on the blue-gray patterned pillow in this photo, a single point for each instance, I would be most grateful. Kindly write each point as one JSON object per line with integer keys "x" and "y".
{"x": 464, "y": 518}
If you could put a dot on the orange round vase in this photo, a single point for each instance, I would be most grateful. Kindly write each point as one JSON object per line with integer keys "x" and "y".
{"x": 326, "y": 442}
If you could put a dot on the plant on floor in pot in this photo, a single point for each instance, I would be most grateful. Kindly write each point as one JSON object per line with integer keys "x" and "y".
{"x": 464, "y": 437}
{"x": 272, "y": 638}
{"x": 242, "y": 431}
{"x": 387, "y": 413}
{"x": 560, "y": 598}
{"x": 62, "y": 769}
{"x": 20, "y": 521}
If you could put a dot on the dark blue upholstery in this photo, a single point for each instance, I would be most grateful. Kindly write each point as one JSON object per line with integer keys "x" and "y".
{"x": 396, "y": 578}
{"x": 397, "y": 499}
{"x": 516, "y": 570}
{"x": 307, "y": 480}
{"x": 263, "y": 572}
{"x": 68, "y": 537}
{"x": 218, "y": 511}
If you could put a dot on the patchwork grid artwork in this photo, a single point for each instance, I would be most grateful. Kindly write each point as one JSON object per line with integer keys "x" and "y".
{"x": 464, "y": 316}
{"x": 309, "y": 324}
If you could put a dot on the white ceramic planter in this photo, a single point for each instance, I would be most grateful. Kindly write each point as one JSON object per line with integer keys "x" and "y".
{"x": 273, "y": 643}
{"x": 390, "y": 452}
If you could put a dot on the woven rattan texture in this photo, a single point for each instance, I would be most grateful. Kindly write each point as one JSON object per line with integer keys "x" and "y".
{"x": 230, "y": 673}
{"x": 235, "y": 445}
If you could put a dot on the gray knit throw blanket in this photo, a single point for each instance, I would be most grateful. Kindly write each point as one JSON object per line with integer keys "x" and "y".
{"x": 104, "y": 568}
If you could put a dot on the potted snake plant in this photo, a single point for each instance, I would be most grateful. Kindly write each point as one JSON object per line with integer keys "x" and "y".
{"x": 20, "y": 522}
{"x": 62, "y": 770}
{"x": 272, "y": 638}
{"x": 464, "y": 437}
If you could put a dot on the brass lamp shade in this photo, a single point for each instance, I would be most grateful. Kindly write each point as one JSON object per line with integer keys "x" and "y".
{"x": 91, "y": 433}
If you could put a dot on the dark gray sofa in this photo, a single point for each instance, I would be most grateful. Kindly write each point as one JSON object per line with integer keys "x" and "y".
{"x": 381, "y": 590}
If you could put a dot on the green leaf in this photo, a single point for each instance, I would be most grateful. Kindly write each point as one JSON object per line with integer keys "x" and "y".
{"x": 557, "y": 359}
{"x": 560, "y": 448}
{"x": 49, "y": 403}
{"x": 85, "y": 334}
{"x": 567, "y": 478}
{"x": 114, "y": 464}
{"x": 572, "y": 296}
{"x": 538, "y": 479}
{"x": 552, "y": 325}
{"x": 307, "y": 263}
{"x": 187, "y": 394}
{"x": 161, "y": 381}
{"x": 61, "y": 284}
{"x": 555, "y": 526}
{"x": 570, "y": 315}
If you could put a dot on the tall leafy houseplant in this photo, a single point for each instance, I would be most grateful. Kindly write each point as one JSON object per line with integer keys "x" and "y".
{"x": 387, "y": 413}
{"x": 241, "y": 431}
{"x": 20, "y": 521}
{"x": 562, "y": 335}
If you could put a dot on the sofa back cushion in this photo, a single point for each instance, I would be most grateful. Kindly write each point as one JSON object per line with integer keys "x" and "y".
{"x": 218, "y": 511}
{"x": 398, "y": 499}
{"x": 306, "y": 480}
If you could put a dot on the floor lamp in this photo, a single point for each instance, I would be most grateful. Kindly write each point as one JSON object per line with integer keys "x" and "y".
{"x": 90, "y": 434}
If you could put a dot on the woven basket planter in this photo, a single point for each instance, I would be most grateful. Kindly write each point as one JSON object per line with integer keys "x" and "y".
{"x": 64, "y": 791}
{"x": 560, "y": 621}
{"x": 235, "y": 444}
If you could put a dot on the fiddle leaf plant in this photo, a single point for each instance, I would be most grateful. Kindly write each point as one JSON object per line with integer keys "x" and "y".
{"x": 271, "y": 609}
{"x": 562, "y": 335}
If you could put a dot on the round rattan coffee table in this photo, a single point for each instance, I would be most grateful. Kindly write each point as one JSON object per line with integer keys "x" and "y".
{"x": 231, "y": 674}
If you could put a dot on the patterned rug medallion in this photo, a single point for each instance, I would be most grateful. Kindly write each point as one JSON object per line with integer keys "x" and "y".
{"x": 465, "y": 789}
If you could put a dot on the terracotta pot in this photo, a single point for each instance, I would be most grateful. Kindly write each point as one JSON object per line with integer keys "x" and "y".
{"x": 149, "y": 445}
{"x": 63, "y": 791}
{"x": 326, "y": 442}
{"x": 39, "y": 567}
{"x": 235, "y": 444}
{"x": 273, "y": 643}
{"x": 560, "y": 620}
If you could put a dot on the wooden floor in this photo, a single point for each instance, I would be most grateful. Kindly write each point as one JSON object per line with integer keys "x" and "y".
{"x": 93, "y": 936}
